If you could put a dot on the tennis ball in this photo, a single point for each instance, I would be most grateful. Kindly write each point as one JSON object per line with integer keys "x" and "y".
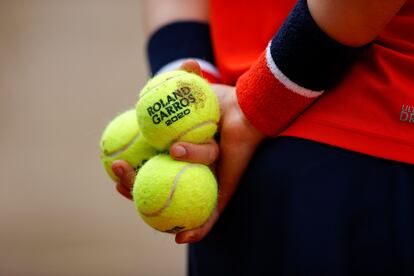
{"x": 122, "y": 140}
{"x": 172, "y": 196}
{"x": 177, "y": 106}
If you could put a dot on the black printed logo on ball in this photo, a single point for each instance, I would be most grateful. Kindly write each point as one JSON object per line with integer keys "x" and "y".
{"x": 174, "y": 106}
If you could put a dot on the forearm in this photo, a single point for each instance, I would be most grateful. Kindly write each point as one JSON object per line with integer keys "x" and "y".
{"x": 303, "y": 60}
{"x": 353, "y": 22}
{"x": 157, "y": 13}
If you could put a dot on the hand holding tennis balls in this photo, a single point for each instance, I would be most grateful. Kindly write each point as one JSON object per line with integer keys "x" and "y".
{"x": 238, "y": 141}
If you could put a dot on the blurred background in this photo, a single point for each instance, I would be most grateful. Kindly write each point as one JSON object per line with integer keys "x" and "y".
{"x": 67, "y": 67}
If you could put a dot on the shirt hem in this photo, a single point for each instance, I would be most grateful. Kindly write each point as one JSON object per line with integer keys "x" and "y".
{"x": 358, "y": 141}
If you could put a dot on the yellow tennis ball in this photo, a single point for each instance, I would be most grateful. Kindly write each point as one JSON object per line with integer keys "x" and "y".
{"x": 122, "y": 140}
{"x": 173, "y": 196}
{"x": 177, "y": 106}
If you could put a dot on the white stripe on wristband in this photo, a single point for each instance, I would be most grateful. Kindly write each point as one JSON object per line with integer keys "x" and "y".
{"x": 282, "y": 78}
{"x": 205, "y": 66}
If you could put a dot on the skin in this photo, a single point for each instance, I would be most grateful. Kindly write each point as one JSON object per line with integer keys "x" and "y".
{"x": 157, "y": 13}
{"x": 351, "y": 22}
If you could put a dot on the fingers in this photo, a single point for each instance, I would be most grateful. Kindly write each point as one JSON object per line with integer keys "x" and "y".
{"x": 123, "y": 191}
{"x": 126, "y": 176}
{"x": 191, "y": 66}
{"x": 195, "y": 235}
{"x": 195, "y": 153}
{"x": 229, "y": 170}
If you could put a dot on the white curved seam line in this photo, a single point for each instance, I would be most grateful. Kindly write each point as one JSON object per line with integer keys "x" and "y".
{"x": 194, "y": 127}
{"x": 205, "y": 66}
{"x": 286, "y": 81}
{"x": 121, "y": 150}
{"x": 174, "y": 186}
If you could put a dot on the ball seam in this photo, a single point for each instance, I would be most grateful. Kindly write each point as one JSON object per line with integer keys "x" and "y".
{"x": 159, "y": 84}
{"x": 204, "y": 123}
{"x": 124, "y": 148}
{"x": 173, "y": 188}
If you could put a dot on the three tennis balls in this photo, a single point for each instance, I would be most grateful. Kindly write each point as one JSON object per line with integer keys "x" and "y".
{"x": 173, "y": 196}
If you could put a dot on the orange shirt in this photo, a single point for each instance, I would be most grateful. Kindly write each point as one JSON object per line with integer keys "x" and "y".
{"x": 371, "y": 111}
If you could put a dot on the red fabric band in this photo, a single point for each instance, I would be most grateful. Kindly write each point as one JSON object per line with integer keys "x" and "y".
{"x": 268, "y": 104}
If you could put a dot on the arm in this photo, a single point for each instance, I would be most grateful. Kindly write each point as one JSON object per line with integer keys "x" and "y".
{"x": 353, "y": 22}
{"x": 302, "y": 60}
{"x": 158, "y": 13}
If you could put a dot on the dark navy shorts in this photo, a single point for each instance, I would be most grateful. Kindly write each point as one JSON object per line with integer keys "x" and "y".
{"x": 304, "y": 208}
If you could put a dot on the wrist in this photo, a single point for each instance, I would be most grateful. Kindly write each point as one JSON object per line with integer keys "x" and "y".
{"x": 172, "y": 44}
{"x": 252, "y": 133}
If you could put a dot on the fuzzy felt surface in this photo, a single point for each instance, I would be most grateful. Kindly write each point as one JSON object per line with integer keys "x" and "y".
{"x": 172, "y": 196}
{"x": 177, "y": 106}
{"x": 122, "y": 140}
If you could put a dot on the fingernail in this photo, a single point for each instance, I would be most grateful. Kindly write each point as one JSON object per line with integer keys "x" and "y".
{"x": 118, "y": 171}
{"x": 179, "y": 151}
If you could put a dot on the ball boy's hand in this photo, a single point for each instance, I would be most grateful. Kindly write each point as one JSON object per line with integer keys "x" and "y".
{"x": 238, "y": 141}
{"x": 126, "y": 175}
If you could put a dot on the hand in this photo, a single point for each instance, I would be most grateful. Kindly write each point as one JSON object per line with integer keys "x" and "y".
{"x": 126, "y": 175}
{"x": 238, "y": 139}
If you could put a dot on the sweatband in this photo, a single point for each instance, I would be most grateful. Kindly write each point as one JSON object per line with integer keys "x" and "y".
{"x": 299, "y": 63}
{"x": 172, "y": 44}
